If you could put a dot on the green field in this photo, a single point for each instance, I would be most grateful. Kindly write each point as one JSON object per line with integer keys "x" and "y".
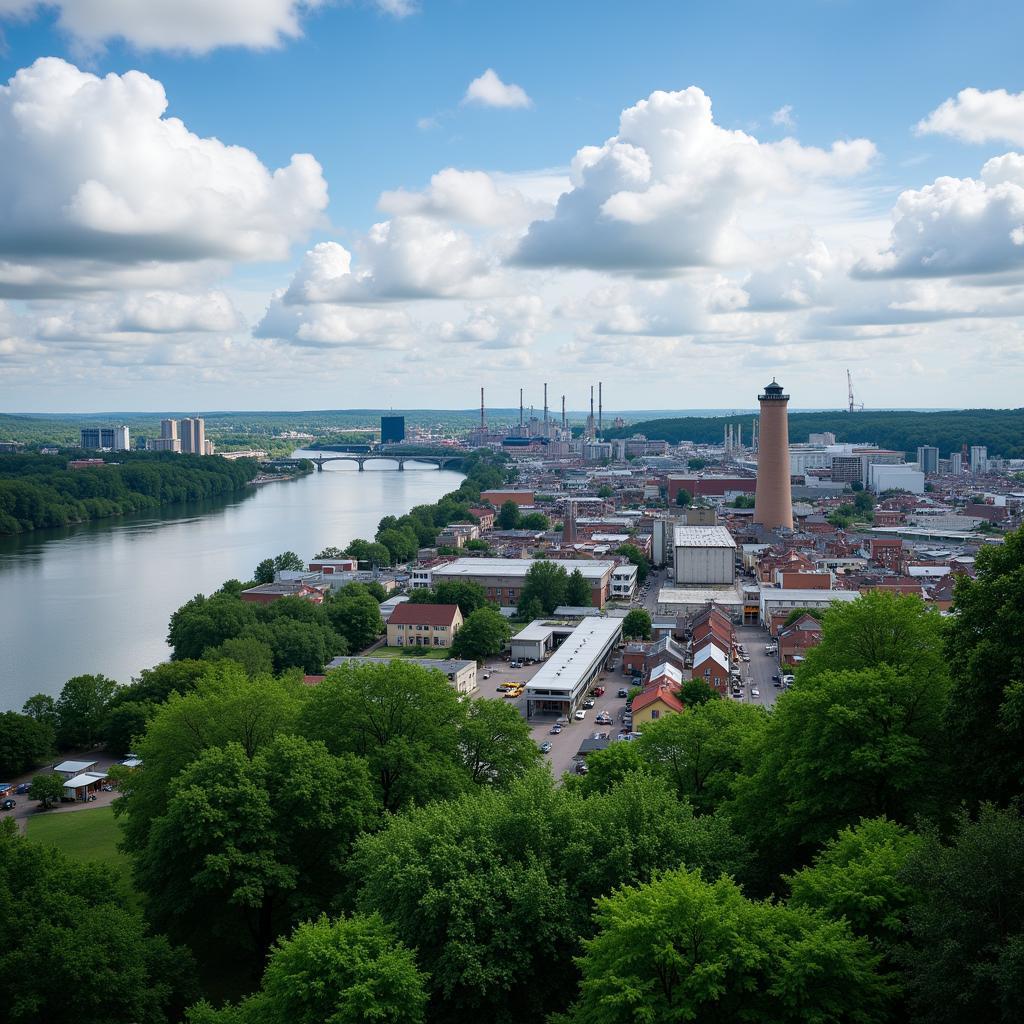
{"x": 413, "y": 653}
{"x": 84, "y": 835}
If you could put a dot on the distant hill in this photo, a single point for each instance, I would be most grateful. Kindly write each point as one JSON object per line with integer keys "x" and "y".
{"x": 1000, "y": 430}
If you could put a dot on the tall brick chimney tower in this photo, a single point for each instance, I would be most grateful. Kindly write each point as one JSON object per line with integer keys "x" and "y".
{"x": 773, "y": 499}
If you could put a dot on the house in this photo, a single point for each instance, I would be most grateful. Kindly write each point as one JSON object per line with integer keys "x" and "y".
{"x": 461, "y": 674}
{"x": 666, "y": 676}
{"x": 711, "y": 665}
{"x": 633, "y": 658}
{"x": 653, "y": 704}
{"x": 796, "y": 639}
{"x": 424, "y": 625}
{"x": 484, "y": 516}
{"x": 664, "y": 652}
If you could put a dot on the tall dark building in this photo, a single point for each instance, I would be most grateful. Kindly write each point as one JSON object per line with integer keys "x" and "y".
{"x": 392, "y": 429}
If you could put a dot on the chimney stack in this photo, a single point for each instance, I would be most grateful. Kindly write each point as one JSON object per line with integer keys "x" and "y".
{"x": 600, "y": 412}
{"x": 563, "y": 412}
{"x": 483, "y": 421}
{"x": 520, "y": 408}
{"x": 773, "y": 496}
{"x": 545, "y": 409}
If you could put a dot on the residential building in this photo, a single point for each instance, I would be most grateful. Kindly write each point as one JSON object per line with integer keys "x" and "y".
{"x": 979, "y": 458}
{"x": 711, "y": 666}
{"x": 193, "y": 436}
{"x": 503, "y": 578}
{"x": 956, "y": 464}
{"x": 928, "y": 459}
{"x": 624, "y": 580}
{"x": 796, "y": 639}
{"x": 653, "y": 704}
{"x": 267, "y": 593}
{"x": 424, "y": 625}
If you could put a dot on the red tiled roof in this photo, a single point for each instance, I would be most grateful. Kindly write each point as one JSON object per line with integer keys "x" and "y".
{"x": 654, "y": 694}
{"x": 409, "y": 614}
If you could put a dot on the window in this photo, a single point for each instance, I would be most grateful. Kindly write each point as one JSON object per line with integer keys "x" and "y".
{"x": 655, "y": 714}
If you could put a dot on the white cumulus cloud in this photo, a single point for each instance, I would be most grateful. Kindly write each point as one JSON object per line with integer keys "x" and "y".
{"x": 974, "y": 115}
{"x": 490, "y": 91}
{"x": 784, "y": 116}
{"x": 194, "y": 26}
{"x": 668, "y": 190}
{"x": 93, "y": 171}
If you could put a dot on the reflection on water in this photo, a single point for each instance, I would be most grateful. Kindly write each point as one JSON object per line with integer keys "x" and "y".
{"x": 97, "y": 597}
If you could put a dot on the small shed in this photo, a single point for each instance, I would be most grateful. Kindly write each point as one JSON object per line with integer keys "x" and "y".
{"x": 80, "y": 786}
{"x": 69, "y": 769}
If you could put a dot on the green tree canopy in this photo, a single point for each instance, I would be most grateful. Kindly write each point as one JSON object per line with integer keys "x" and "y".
{"x": 469, "y": 596}
{"x": 43, "y": 708}
{"x": 508, "y": 516}
{"x": 82, "y": 708}
{"x": 639, "y": 559}
{"x": 355, "y": 614}
{"x": 329, "y": 552}
{"x": 24, "y": 742}
{"x": 56, "y": 908}
{"x": 349, "y": 971}
{"x": 683, "y": 497}
{"x": 286, "y": 561}
{"x": 546, "y": 583}
{"x": 370, "y": 553}
{"x": 680, "y": 948}
{"x": 47, "y": 788}
{"x": 483, "y": 634}
{"x": 637, "y": 624}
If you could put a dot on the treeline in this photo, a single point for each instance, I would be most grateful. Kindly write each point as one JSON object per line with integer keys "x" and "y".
{"x": 1000, "y": 430}
{"x": 37, "y": 492}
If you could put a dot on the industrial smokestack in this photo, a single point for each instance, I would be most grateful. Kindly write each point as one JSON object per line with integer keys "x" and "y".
{"x": 725, "y": 437}
{"x": 545, "y": 409}
{"x": 520, "y": 407}
{"x": 739, "y": 435}
{"x": 600, "y": 412}
{"x": 563, "y": 412}
{"x": 773, "y": 500}
{"x": 483, "y": 422}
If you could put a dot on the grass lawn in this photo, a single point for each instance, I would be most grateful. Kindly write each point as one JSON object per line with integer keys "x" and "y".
{"x": 413, "y": 653}
{"x": 85, "y": 835}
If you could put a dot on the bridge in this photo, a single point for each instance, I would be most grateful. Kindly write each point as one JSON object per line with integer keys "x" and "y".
{"x": 441, "y": 461}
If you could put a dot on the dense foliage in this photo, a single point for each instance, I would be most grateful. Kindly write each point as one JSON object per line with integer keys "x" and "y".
{"x": 1001, "y": 430}
{"x": 38, "y": 491}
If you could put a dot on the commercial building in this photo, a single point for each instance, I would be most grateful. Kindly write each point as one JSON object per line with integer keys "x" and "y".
{"x": 773, "y": 499}
{"x": 503, "y": 578}
{"x": 424, "y": 625}
{"x": 461, "y": 674}
{"x": 774, "y": 600}
{"x": 537, "y": 640}
{"x": 979, "y": 458}
{"x": 168, "y": 441}
{"x": 193, "y": 436}
{"x": 956, "y": 463}
{"x": 687, "y": 601}
{"x": 928, "y": 459}
{"x": 624, "y": 580}
{"x": 564, "y": 680}
{"x": 708, "y": 486}
{"x": 498, "y": 498}
{"x": 899, "y": 478}
{"x": 267, "y": 593}
{"x": 113, "y": 438}
{"x": 392, "y": 429}
{"x": 704, "y": 556}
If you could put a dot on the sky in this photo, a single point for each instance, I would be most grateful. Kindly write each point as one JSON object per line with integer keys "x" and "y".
{"x": 295, "y": 204}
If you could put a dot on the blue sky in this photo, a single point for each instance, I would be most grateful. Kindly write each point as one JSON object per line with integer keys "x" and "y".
{"x": 377, "y": 100}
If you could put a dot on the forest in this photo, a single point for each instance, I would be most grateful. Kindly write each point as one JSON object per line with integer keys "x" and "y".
{"x": 39, "y": 491}
{"x": 1000, "y": 430}
{"x": 376, "y": 848}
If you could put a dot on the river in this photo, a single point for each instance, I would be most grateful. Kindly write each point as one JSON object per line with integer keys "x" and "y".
{"x": 98, "y": 597}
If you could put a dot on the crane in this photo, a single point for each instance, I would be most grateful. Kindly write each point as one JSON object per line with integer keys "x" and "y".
{"x": 853, "y": 406}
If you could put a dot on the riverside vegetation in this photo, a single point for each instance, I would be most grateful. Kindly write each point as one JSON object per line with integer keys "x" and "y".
{"x": 377, "y": 848}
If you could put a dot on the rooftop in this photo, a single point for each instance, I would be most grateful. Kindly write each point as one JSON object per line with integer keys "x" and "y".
{"x": 410, "y": 614}
{"x": 769, "y": 594}
{"x": 591, "y": 570}
{"x": 573, "y": 660}
{"x": 703, "y": 537}
{"x": 449, "y": 666}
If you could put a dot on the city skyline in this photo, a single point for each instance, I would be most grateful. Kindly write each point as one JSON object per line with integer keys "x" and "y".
{"x": 414, "y": 199}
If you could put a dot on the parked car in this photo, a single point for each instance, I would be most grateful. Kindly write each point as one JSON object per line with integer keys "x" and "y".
{"x": 776, "y": 678}
{"x": 755, "y": 692}
{"x": 545, "y": 747}
{"x": 581, "y": 768}
{"x": 486, "y": 675}
{"x": 589, "y": 702}
{"x": 604, "y": 718}
{"x": 788, "y": 680}
{"x": 8, "y": 804}
{"x": 555, "y": 729}
{"x": 623, "y": 692}
{"x": 502, "y": 687}
{"x": 22, "y": 787}
{"x": 515, "y": 664}
{"x": 597, "y": 691}
{"x": 581, "y": 714}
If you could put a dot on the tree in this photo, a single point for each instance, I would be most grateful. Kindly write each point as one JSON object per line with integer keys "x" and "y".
{"x": 467, "y": 595}
{"x": 47, "y": 788}
{"x": 483, "y": 634}
{"x": 402, "y": 545}
{"x": 534, "y": 521}
{"x": 24, "y": 742}
{"x": 264, "y": 571}
{"x": 841, "y": 746}
{"x": 695, "y": 692}
{"x": 639, "y": 559}
{"x": 680, "y": 948}
{"x": 355, "y": 614}
{"x": 879, "y": 629}
{"x": 54, "y": 906}
{"x": 508, "y": 516}
{"x": 125, "y": 721}
{"x": 702, "y": 751}
{"x": 683, "y": 497}
{"x": 799, "y": 613}
{"x": 637, "y": 624}
{"x": 225, "y": 707}
{"x": 370, "y": 553}
{"x": 607, "y": 768}
{"x": 546, "y": 583}
{"x": 577, "y": 590}
{"x": 206, "y": 622}
{"x": 287, "y": 561}
{"x": 985, "y": 649}
{"x": 249, "y": 846}
{"x": 696, "y": 463}
{"x": 742, "y": 501}
{"x": 329, "y": 552}
{"x": 863, "y": 501}
{"x": 82, "y": 708}
{"x": 860, "y": 875}
{"x": 402, "y": 719}
{"x": 254, "y": 655}
{"x": 350, "y": 971}
{"x": 496, "y": 744}
{"x": 605, "y": 491}
{"x": 43, "y": 708}
{"x": 963, "y": 959}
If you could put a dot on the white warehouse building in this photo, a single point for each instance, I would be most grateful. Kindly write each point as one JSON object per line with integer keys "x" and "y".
{"x": 704, "y": 556}
{"x": 898, "y": 477}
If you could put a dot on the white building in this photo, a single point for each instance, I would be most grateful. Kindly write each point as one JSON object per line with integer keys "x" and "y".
{"x": 775, "y": 600}
{"x": 624, "y": 579}
{"x": 883, "y": 477}
{"x": 979, "y": 458}
{"x": 704, "y": 556}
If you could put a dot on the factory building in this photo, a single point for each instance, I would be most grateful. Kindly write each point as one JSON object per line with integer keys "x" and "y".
{"x": 704, "y": 556}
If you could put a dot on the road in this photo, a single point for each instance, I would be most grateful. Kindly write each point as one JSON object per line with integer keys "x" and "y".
{"x": 758, "y": 672}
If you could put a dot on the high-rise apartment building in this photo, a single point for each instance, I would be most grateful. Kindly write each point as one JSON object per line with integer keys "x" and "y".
{"x": 773, "y": 497}
{"x": 114, "y": 438}
{"x": 392, "y": 429}
{"x": 193, "y": 436}
{"x": 956, "y": 463}
{"x": 979, "y": 458}
{"x": 168, "y": 441}
{"x": 928, "y": 459}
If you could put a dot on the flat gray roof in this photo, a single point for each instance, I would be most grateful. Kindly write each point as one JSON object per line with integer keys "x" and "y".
{"x": 577, "y": 656}
{"x": 703, "y": 537}
{"x": 447, "y": 665}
